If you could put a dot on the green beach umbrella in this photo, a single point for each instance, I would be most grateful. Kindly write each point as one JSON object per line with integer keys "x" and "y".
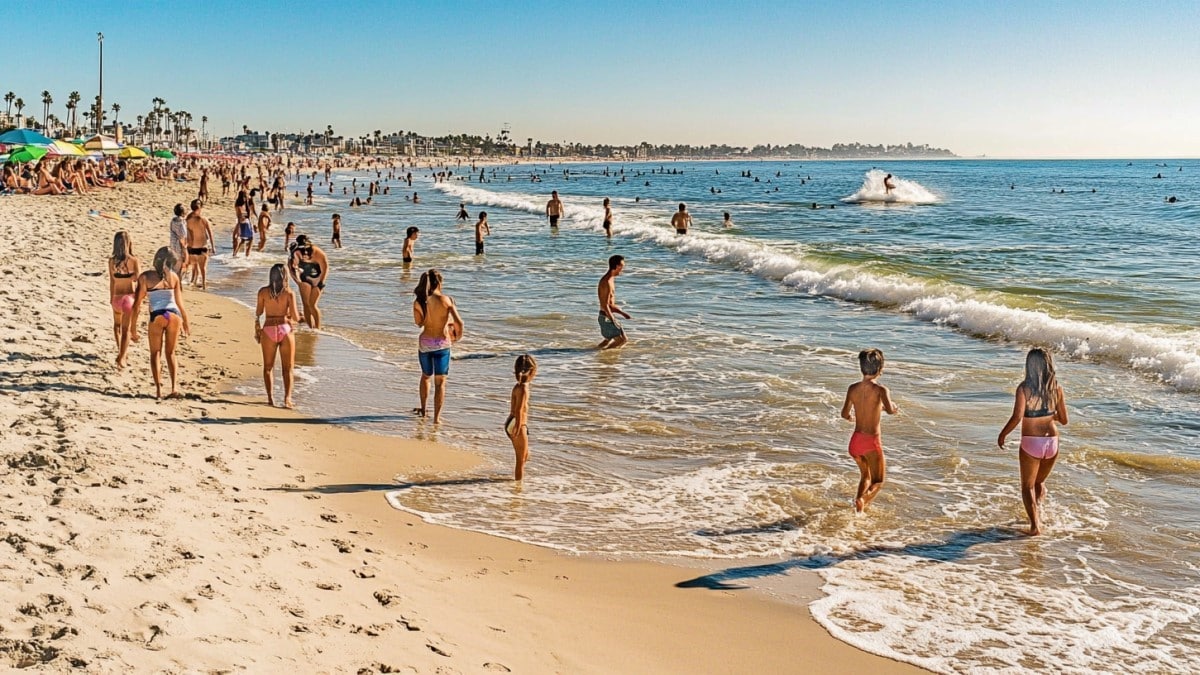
{"x": 165, "y": 154}
{"x": 28, "y": 153}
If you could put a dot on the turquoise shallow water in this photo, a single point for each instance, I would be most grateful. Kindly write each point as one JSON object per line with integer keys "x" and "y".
{"x": 715, "y": 433}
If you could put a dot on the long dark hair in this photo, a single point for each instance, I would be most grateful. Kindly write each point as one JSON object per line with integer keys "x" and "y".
{"x": 122, "y": 248}
{"x": 1040, "y": 383}
{"x": 164, "y": 260}
{"x": 430, "y": 282}
{"x": 277, "y": 280}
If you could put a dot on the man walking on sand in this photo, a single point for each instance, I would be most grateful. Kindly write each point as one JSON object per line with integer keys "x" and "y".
{"x": 200, "y": 242}
{"x": 554, "y": 209}
{"x": 610, "y": 330}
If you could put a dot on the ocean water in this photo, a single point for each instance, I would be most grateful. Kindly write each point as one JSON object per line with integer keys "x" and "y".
{"x": 715, "y": 433}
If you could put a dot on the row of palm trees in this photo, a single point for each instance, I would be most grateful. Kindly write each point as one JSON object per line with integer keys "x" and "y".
{"x": 159, "y": 124}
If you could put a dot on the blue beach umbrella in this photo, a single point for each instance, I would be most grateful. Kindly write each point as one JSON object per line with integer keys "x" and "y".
{"x": 24, "y": 137}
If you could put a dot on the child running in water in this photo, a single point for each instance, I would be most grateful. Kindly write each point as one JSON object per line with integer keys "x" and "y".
{"x": 515, "y": 426}
{"x": 867, "y": 400}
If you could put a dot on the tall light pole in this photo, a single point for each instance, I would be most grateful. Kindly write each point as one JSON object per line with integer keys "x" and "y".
{"x": 100, "y": 100}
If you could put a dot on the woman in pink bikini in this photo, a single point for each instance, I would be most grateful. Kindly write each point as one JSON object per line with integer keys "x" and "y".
{"x": 1039, "y": 403}
{"x": 277, "y": 306}
{"x": 123, "y": 271}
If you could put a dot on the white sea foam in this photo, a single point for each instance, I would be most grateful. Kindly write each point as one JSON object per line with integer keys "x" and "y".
{"x": 997, "y": 622}
{"x": 905, "y": 192}
{"x": 1171, "y": 355}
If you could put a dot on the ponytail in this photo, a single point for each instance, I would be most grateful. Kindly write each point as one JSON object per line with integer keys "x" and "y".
{"x": 525, "y": 368}
{"x": 164, "y": 260}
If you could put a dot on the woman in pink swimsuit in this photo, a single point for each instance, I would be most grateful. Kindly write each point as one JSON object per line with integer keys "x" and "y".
{"x": 277, "y": 306}
{"x": 123, "y": 271}
{"x": 1039, "y": 403}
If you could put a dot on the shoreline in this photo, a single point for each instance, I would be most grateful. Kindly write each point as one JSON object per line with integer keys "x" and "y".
{"x": 214, "y": 532}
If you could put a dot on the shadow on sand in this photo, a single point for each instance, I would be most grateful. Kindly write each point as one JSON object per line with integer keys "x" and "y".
{"x": 955, "y": 547}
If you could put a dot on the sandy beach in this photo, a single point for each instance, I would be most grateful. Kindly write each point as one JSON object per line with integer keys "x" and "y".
{"x": 216, "y": 534}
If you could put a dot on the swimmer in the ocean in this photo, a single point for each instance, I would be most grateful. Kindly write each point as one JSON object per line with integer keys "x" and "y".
{"x": 410, "y": 239}
{"x": 888, "y": 185}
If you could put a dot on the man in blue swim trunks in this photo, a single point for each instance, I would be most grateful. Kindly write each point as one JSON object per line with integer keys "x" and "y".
{"x": 610, "y": 330}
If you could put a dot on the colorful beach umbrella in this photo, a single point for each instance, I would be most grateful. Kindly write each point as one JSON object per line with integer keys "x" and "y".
{"x": 65, "y": 149}
{"x": 131, "y": 152}
{"x": 23, "y": 137}
{"x": 165, "y": 154}
{"x": 101, "y": 143}
{"x": 27, "y": 153}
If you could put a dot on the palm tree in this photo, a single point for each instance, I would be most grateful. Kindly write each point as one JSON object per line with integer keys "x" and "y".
{"x": 328, "y": 134}
{"x": 8, "y": 101}
{"x": 116, "y": 108}
{"x": 47, "y": 99}
{"x": 138, "y": 128}
{"x": 20, "y": 103}
{"x": 73, "y": 100}
{"x": 203, "y": 127}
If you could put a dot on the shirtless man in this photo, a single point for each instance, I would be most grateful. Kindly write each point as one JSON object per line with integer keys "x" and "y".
{"x": 610, "y": 330}
{"x": 607, "y": 218}
{"x": 888, "y": 185}
{"x": 554, "y": 209}
{"x": 264, "y": 223}
{"x": 481, "y": 230}
{"x": 681, "y": 220}
{"x": 865, "y": 403}
{"x": 200, "y": 242}
{"x": 410, "y": 240}
{"x": 336, "y": 240}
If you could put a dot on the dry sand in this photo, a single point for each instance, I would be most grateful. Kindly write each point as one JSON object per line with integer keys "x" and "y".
{"x": 215, "y": 534}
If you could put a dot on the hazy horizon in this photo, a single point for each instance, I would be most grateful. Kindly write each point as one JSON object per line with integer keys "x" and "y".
{"x": 1015, "y": 80}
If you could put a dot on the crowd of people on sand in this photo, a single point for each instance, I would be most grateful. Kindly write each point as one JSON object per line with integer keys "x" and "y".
{"x": 74, "y": 175}
{"x": 1038, "y": 407}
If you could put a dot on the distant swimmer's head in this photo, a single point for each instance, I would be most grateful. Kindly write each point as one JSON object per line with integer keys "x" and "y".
{"x": 870, "y": 361}
{"x": 179, "y": 209}
{"x": 525, "y": 369}
{"x": 727, "y": 216}
{"x": 616, "y": 263}
{"x": 1040, "y": 381}
{"x": 411, "y": 232}
{"x": 1171, "y": 200}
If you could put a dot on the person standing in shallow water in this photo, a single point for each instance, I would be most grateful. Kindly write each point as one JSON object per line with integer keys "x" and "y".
{"x": 1037, "y": 405}
{"x": 516, "y": 427}
{"x": 441, "y": 326}
{"x": 610, "y": 330}
{"x": 865, "y": 403}
{"x": 554, "y": 209}
{"x": 607, "y": 218}
{"x": 277, "y": 306}
{"x": 681, "y": 220}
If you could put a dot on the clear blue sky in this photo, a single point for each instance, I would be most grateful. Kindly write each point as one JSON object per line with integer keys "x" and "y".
{"x": 1032, "y": 79}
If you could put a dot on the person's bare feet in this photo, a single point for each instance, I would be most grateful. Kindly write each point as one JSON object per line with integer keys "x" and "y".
{"x": 174, "y": 394}
{"x": 271, "y": 401}
{"x": 287, "y": 403}
{"x": 419, "y": 412}
{"x": 860, "y": 505}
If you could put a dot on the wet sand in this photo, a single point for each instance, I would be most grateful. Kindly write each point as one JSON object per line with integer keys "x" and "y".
{"x": 214, "y": 533}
